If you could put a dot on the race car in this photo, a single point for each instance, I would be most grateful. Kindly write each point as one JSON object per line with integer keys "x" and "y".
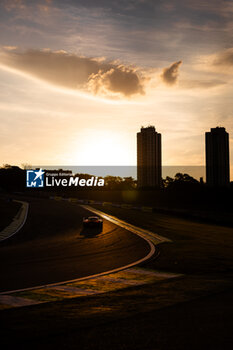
{"x": 93, "y": 221}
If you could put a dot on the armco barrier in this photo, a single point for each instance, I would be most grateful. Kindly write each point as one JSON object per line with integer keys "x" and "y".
{"x": 106, "y": 204}
{"x": 126, "y": 206}
{"x": 56, "y": 198}
{"x": 147, "y": 209}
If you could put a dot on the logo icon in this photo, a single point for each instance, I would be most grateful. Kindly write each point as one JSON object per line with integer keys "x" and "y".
{"x": 35, "y": 178}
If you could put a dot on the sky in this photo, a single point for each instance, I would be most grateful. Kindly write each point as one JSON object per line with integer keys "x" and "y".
{"x": 78, "y": 79}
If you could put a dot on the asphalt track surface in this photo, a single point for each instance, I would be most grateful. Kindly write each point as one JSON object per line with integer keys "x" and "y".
{"x": 53, "y": 247}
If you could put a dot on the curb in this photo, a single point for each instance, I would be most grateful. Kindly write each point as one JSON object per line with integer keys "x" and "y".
{"x": 149, "y": 236}
{"x": 17, "y": 223}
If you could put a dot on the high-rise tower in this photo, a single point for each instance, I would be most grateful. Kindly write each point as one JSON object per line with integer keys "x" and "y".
{"x": 217, "y": 157}
{"x": 148, "y": 157}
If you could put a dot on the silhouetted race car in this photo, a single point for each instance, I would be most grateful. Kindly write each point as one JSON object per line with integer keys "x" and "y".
{"x": 93, "y": 221}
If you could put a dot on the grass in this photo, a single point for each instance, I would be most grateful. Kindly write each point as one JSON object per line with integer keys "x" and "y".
{"x": 196, "y": 248}
{"x": 164, "y": 315}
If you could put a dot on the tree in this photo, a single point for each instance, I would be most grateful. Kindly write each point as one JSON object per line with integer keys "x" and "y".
{"x": 167, "y": 181}
{"x": 179, "y": 177}
{"x": 129, "y": 183}
{"x": 179, "y": 180}
{"x": 26, "y": 166}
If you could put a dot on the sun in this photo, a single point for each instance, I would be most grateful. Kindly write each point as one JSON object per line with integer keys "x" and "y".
{"x": 102, "y": 148}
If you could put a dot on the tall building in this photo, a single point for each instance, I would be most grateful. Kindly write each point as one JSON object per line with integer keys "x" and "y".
{"x": 148, "y": 157}
{"x": 217, "y": 157}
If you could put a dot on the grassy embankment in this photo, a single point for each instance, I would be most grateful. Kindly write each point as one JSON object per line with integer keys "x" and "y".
{"x": 196, "y": 248}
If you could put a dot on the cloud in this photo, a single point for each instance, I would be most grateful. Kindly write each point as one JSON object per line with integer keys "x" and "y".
{"x": 201, "y": 84}
{"x": 170, "y": 74}
{"x": 117, "y": 80}
{"x": 219, "y": 62}
{"x": 10, "y": 5}
{"x": 9, "y": 48}
{"x": 224, "y": 58}
{"x": 13, "y": 4}
{"x": 76, "y": 72}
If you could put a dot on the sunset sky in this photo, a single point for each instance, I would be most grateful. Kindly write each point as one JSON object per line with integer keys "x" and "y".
{"x": 78, "y": 79}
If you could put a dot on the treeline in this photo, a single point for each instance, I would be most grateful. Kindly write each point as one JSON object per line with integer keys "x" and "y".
{"x": 180, "y": 194}
{"x": 182, "y": 191}
{"x": 13, "y": 178}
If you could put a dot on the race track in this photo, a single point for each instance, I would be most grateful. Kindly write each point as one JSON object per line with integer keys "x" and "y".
{"x": 52, "y": 247}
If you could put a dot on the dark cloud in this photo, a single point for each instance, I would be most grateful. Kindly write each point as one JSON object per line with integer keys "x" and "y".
{"x": 142, "y": 31}
{"x": 117, "y": 80}
{"x": 10, "y": 5}
{"x": 170, "y": 74}
{"x": 13, "y": 4}
{"x": 75, "y": 72}
{"x": 224, "y": 58}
